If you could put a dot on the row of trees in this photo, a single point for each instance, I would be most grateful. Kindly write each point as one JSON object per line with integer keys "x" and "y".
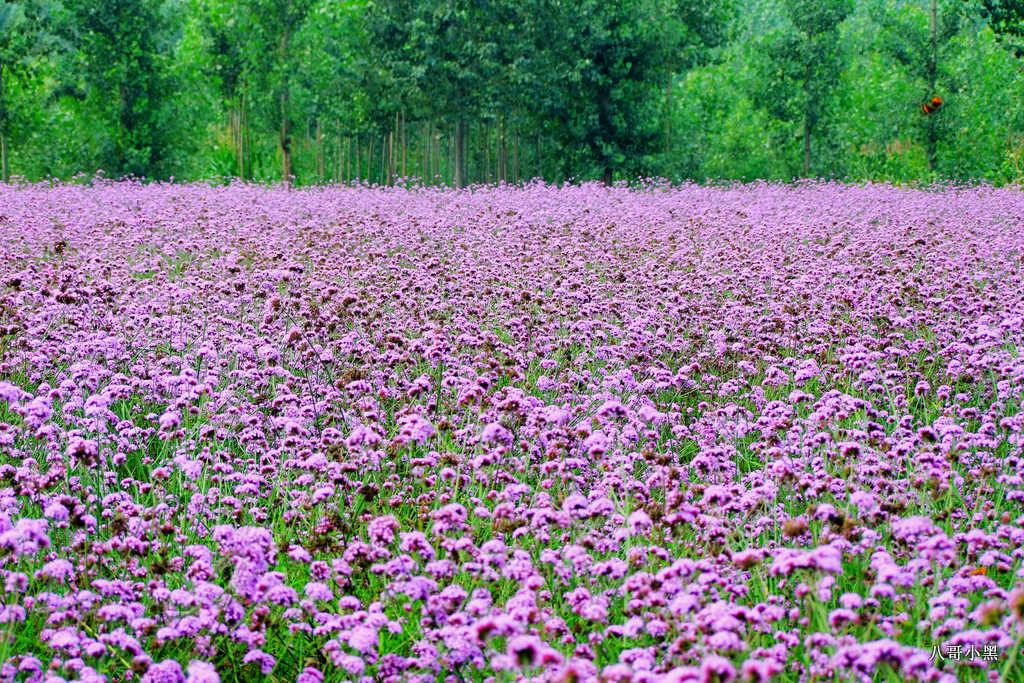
{"x": 462, "y": 91}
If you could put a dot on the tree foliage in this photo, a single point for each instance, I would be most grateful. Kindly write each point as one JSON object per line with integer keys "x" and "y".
{"x": 1007, "y": 20}
{"x": 120, "y": 64}
{"x": 465, "y": 91}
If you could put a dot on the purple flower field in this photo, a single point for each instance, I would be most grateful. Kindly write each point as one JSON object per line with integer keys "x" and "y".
{"x": 580, "y": 434}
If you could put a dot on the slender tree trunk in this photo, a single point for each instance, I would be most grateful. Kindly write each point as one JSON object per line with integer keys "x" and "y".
{"x": 502, "y": 152}
{"x": 369, "y": 160}
{"x": 425, "y": 153}
{"x": 321, "y": 171}
{"x": 440, "y": 158}
{"x": 807, "y": 148}
{"x": 515, "y": 156}
{"x": 235, "y": 122}
{"x": 539, "y": 172}
{"x": 359, "y": 173}
{"x": 460, "y": 153}
{"x": 393, "y": 155}
{"x": 286, "y": 134}
{"x": 487, "y": 153}
{"x": 5, "y": 171}
{"x": 405, "y": 148}
{"x": 604, "y": 122}
{"x": 390, "y": 155}
{"x": 122, "y": 129}
{"x": 668, "y": 113}
{"x": 932, "y": 142}
{"x": 342, "y": 155}
{"x": 807, "y": 121}
{"x": 286, "y": 141}
{"x": 244, "y": 140}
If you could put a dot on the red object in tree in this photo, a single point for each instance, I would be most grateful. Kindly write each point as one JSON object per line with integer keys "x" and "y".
{"x": 932, "y": 105}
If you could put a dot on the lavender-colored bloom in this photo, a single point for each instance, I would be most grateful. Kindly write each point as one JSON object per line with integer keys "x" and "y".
{"x": 167, "y": 671}
{"x": 363, "y": 639}
{"x": 201, "y": 672}
{"x": 310, "y": 675}
{"x": 58, "y": 570}
{"x": 266, "y": 662}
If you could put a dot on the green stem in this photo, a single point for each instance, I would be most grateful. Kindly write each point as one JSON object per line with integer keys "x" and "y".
{"x": 1004, "y": 676}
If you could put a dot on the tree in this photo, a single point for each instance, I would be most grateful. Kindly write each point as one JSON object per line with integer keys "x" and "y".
{"x": 439, "y": 58}
{"x": 20, "y": 30}
{"x": 598, "y": 86}
{"x": 219, "y": 32}
{"x": 803, "y": 67}
{"x": 275, "y": 24}
{"x": 1006, "y": 17}
{"x": 11, "y": 39}
{"x": 919, "y": 39}
{"x": 695, "y": 29}
{"x": 119, "y": 61}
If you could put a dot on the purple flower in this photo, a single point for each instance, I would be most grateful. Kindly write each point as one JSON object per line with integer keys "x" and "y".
{"x": 638, "y": 522}
{"x": 170, "y": 420}
{"x": 524, "y": 650}
{"x": 351, "y": 664}
{"x": 57, "y": 570}
{"x": 497, "y": 434}
{"x": 27, "y": 537}
{"x": 363, "y": 639}
{"x": 167, "y": 671}
{"x": 201, "y": 672}
{"x": 310, "y": 675}
{"x": 265, "y": 660}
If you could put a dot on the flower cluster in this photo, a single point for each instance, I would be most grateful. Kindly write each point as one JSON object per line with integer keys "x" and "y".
{"x": 742, "y": 433}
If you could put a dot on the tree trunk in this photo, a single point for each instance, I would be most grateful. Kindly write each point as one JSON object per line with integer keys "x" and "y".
{"x": 359, "y": 173}
{"x": 440, "y": 160}
{"x": 321, "y": 172}
{"x": 244, "y": 140}
{"x": 369, "y": 160}
{"x": 5, "y": 171}
{"x": 122, "y": 119}
{"x": 502, "y": 152}
{"x": 425, "y": 154}
{"x": 807, "y": 121}
{"x": 391, "y": 156}
{"x": 342, "y": 155}
{"x": 405, "y": 148}
{"x": 932, "y": 141}
{"x": 537, "y": 161}
{"x": 460, "y": 153}
{"x": 286, "y": 139}
{"x": 604, "y": 122}
{"x": 487, "y": 153}
{"x": 807, "y": 148}
{"x": 668, "y": 113}
{"x": 235, "y": 121}
{"x": 515, "y": 155}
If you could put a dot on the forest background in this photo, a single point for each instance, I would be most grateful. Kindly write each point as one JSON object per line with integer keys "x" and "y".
{"x": 470, "y": 91}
